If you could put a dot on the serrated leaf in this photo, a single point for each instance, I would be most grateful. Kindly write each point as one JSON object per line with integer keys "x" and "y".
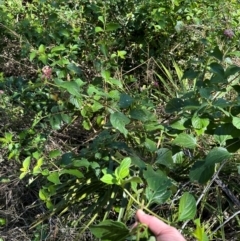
{"x": 58, "y": 48}
{"x": 150, "y": 145}
{"x": 216, "y": 68}
{"x": 201, "y": 172}
{"x": 32, "y": 55}
{"x": 164, "y": 157}
{"x": 112, "y": 27}
{"x": 72, "y": 87}
{"x": 118, "y": 121}
{"x": 139, "y": 114}
{"x": 187, "y": 207}
{"x": 54, "y": 178}
{"x": 75, "y": 69}
{"x": 200, "y": 123}
{"x": 179, "y": 124}
{"x": 26, "y": 163}
{"x": 217, "y": 155}
{"x": 54, "y": 153}
{"x": 236, "y": 122}
{"x": 123, "y": 170}
{"x": 173, "y": 105}
{"x": 109, "y": 230}
{"x": 73, "y": 172}
{"x": 125, "y": 101}
{"x": 185, "y": 140}
{"x": 109, "y": 179}
{"x": 98, "y": 29}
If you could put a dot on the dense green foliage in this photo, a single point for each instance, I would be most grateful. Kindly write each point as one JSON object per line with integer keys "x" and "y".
{"x": 144, "y": 96}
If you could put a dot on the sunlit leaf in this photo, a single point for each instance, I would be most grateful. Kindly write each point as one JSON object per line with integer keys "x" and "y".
{"x": 185, "y": 140}
{"x": 187, "y": 207}
{"x": 118, "y": 121}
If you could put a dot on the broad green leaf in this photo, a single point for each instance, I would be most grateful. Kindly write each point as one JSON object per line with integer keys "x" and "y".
{"x": 43, "y": 58}
{"x": 232, "y": 70}
{"x": 98, "y": 29}
{"x": 236, "y": 121}
{"x": 87, "y": 124}
{"x": 179, "y": 27}
{"x": 58, "y": 48}
{"x": 187, "y": 207}
{"x": 216, "y": 68}
{"x": 54, "y": 178}
{"x": 178, "y": 158}
{"x": 33, "y": 55}
{"x": 139, "y": 114}
{"x": 125, "y": 101}
{"x": 158, "y": 190}
{"x": 174, "y": 105}
{"x": 109, "y": 179}
{"x": 41, "y": 49}
{"x": 164, "y": 157}
{"x": 201, "y": 172}
{"x": 150, "y": 145}
{"x": 121, "y": 54}
{"x": 112, "y": 27}
{"x": 199, "y": 123}
{"x": 72, "y": 87}
{"x": 217, "y": 155}
{"x": 101, "y": 18}
{"x": 217, "y": 53}
{"x": 185, "y": 140}
{"x": 109, "y": 230}
{"x": 75, "y": 69}
{"x": 54, "y": 153}
{"x": 105, "y": 74}
{"x": 43, "y": 194}
{"x": 118, "y": 121}
{"x": 179, "y": 124}
{"x": 26, "y": 163}
{"x": 123, "y": 170}
{"x": 73, "y": 172}
{"x": 96, "y": 106}
{"x": 56, "y": 122}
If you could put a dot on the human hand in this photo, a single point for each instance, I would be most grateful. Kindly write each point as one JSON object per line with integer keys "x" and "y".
{"x": 161, "y": 230}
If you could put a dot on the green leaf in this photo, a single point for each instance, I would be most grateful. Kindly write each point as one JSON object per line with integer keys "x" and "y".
{"x": 179, "y": 124}
{"x": 173, "y": 105}
{"x": 185, "y": 140}
{"x": 98, "y": 29}
{"x": 41, "y": 49}
{"x": 139, "y": 114}
{"x": 199, "y": 123}
{"x": 150, "y": 145}
{"x": 58, "y": 48}
{"x": 187, "y": 207}
{"x": 2, "y": 223}
{"x": 54, "y": 178}
{"x": 43, "y": 58}
{"x": 118, "y": 121}
{"x": 87, "y": 124}
{"x": 101, "y": 18}
{"x": 54, "y": 153}
{"x": 199, "y": 233}
{"x": 109, "y": 230}
{"x": 26, "y": 163}
{"x": 217, "y": 155}
{"x": 75, "y": 69}
{"x": 123, "y": 170}
{"x": 121, "y": 54}
{"x": 105, "y": 74}
{"x": 236, "y": 122}
{"x": 164, "y": 157}
{"x": 72, "y": 87}
{"x": 33, "y": 55}
{"x": 73, "y": 172}
{"x": 216, "y": 68}
{"x": 109, "y": 179}
{"x": 43, "y": 194}
{"x": 125, "y": 101}
{"x": 201, "y": 172}
{"x": 112, "y": 27}
{"x": 217, "y": 53}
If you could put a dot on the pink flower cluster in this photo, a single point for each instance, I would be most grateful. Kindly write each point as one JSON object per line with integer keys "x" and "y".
{"x": 47, "y": 72}
{"x": 228, "y": 33}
